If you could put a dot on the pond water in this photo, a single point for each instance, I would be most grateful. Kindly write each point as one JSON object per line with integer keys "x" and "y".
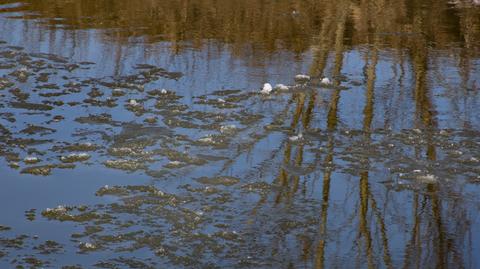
{"x": 133, "y": 134}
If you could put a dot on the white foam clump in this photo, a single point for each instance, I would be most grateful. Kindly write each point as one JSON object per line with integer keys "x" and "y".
{"x": 14, "y": 164}
{"x": 133, "y": 102}
{"x": 137, "y": 86}
{"x": 122, "y": 150}
{"x": 58, "y": 209}
{"x": 175, "y": 163}
{"x": 326, "y": 81}
{"x": 220, "y": 100}
{"x": 267, "y": 88}
{"x": 296, "y": 137}
{"x": 227, "y": 128}
{"x": 31, "y": 159}
{"x": 206, "y": 139}
{"x": 118, "y": 92}
{"x": 302, "y": 77}
{"x": 457, "y": 152}
{"x": 159, "y": 193}
{"x": 428, "y": 178}
{"x": 79, "y": 156}
{"x": 88, "y": 246}
{"x": 281, "y": 87}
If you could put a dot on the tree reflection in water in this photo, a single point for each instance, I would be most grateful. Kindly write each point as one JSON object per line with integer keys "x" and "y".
{"x": 386, "y": 174}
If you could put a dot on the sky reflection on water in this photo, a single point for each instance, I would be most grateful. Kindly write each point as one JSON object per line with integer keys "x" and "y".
{"x": 210, "y": 173}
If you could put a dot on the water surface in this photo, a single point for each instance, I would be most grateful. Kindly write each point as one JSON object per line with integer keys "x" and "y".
{"x": 133, "y": 134}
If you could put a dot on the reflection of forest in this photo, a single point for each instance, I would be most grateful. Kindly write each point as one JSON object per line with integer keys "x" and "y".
{"x": 328, "y": 28}
{"x": 292, "y": 24}
{"x": 430, "y": 245}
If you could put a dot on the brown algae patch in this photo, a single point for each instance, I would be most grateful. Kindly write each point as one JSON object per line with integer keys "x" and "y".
{"x": 31, "y": 106}
{"x": 263, "y": 217}
{"x": 97, "y": 119}
{"x": 132, "y": 151}
{"x": 75, "y": 214}
{"x": 45, "y": 170}
{"x": 79, "y": 147}
{"x": 222, "y": 180}
{"x": 128, "y": 165}
{"x": 75, "y": 157}
{"x": 49, "y": 247}
{"x": 33, "y": 129}
{"x": 127, "y": 190}
{"x": 87, "y": 246}
{"x": 5, "y": 83}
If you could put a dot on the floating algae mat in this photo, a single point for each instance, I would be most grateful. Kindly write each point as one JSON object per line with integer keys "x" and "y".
{"x": 286, "y": 134}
